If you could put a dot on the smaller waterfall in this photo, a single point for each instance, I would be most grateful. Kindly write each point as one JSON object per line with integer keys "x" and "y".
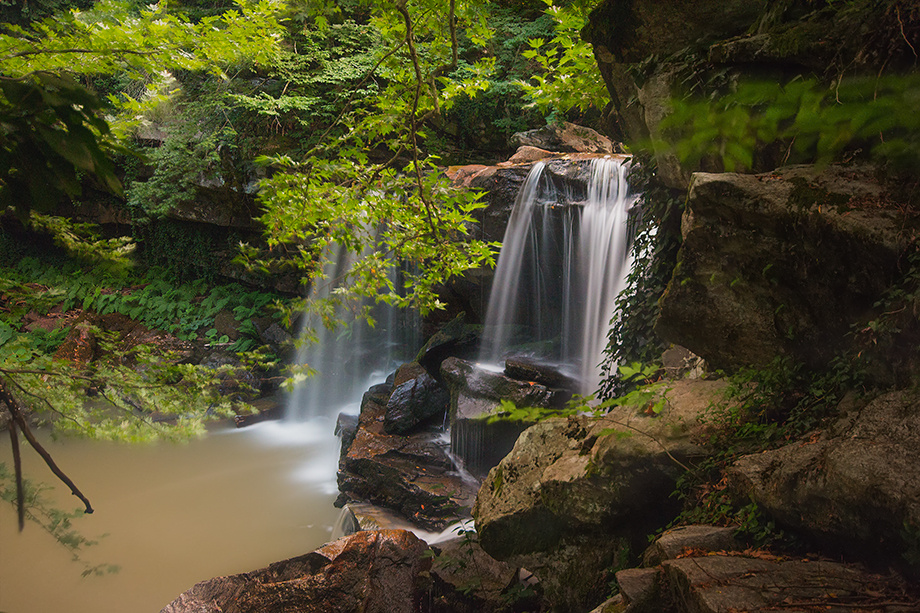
{"x": 349, "y": 359}
{"x": 564, "y": 260}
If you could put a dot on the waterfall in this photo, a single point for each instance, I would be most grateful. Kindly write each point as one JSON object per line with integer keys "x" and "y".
{"x": 563, "y": 263}
{"x": 350, "y": 358}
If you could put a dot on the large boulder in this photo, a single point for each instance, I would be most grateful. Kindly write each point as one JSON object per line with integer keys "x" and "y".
{"x": 575, "y": 494}
{"x": 565, "y": 137}
{"x": 855, "y": 487}
{"x": 412, "y": 474}
{"x": 416, "y": 399}
{"x": 781, "y": 263}
{"x": 366, "y": 572}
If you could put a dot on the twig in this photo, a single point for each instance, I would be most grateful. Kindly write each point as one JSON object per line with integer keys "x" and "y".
{"x": 74, "y": 50}
{"x": 413, "y": 120}
{"x": 897, "y": 10}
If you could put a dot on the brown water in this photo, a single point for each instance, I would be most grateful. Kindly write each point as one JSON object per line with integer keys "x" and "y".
{"x": 173, "y": 515}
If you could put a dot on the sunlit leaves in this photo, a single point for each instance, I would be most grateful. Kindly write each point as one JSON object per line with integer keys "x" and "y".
{"x": 388, "y": 224}
{"x": 570, "y": 76}
{"x": 146, "y": 45}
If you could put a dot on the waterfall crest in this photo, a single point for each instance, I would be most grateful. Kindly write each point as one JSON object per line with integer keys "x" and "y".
{"x": 563, "y": 263}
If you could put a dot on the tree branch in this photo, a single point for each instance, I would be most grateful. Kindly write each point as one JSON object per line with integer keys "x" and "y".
{"x": 20, "y": 420}
{"x": 17, "y": 469}
{"x": 413, "y": 121}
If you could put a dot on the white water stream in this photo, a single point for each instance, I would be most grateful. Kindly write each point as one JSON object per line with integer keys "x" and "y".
{"x": 561, "y": 267}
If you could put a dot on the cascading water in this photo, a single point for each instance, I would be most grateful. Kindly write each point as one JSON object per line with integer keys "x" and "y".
{"x": 351, "y": 358}
{"x": 562, "y": 265}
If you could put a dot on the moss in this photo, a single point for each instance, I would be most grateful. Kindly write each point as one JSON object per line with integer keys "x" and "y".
{"x": 806, "y": 196}
{"x": 498, "y": 480}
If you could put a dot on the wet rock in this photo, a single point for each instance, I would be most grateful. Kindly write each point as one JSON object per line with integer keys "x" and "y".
{"x": 346, "y": 428}
{"x": 475, "y": 392}
{"x": 456, "y": 339}
{"x": 265, "y": 409}
{"x": 414, "y": 402}
{"x": 699, "y": 538}
{"x": 574, "y": 492}
{"x": 483, "y": 388}
{"x": 565, "y": 137}
{"x": 855, "y": 487}
{"x": 375, "y": 571}
{"x": 525, "y": 369}
{"x": 410, "y": 474}
{"x": 779, "y": 264}
{"x": 465, "y": 579}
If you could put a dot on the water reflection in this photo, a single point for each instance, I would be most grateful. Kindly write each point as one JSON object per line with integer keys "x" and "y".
{"x": 173, "y": 515}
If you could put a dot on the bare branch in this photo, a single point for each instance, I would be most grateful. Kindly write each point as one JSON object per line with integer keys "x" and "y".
{"x": 20, "y": 420}
{"x": 17, "y": 469}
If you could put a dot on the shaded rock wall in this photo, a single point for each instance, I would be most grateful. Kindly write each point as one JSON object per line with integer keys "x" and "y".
{"x": 855, "y": 487}
{"x": 651, "y": 51}
{"x": 781, "y": 263}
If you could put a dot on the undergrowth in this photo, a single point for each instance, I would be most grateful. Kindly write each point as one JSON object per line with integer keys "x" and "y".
{"x": 760, "y": 409}
{"x": 188, "y": 311}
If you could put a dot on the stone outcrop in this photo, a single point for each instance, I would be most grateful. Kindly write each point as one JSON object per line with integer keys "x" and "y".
{"x": 566, "y": 137}
{"x": 410, "y": 474}
{"x": 678, "y": 542}
{"x": 369, "y": 571}
{"x": 700, "y": 569}
{"x": 720, "y": 583}
{"x": 781, "y": 263}
{"x": 575, "y": 492}
{"x": 854, "y": 487}
{"x": 465, "y": 579}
